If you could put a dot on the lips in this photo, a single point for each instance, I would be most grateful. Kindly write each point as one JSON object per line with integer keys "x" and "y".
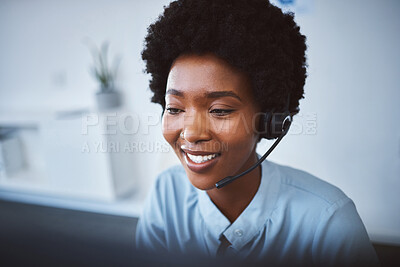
{"x": 200, "y": 161}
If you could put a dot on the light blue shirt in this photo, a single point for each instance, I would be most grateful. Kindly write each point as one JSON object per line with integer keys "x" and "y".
{"x": 293, "y": 218}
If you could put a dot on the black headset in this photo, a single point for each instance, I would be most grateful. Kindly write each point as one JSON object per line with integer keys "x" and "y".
{"x": 272, "y": 125}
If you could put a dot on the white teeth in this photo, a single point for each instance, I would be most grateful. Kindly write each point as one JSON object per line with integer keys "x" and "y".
{"x": 201, "y": 159}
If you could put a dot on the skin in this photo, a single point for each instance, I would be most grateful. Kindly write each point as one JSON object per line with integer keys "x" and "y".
{"x": 214, "y": 122}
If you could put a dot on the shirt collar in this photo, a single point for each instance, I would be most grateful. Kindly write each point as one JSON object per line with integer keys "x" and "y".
{"x": 252, "y": 219}
{"x": 215, "y": 221}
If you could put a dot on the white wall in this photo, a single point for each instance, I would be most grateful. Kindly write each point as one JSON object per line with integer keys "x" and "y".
{"x": 352, "y": 89}
{"x": 45, "y": 61}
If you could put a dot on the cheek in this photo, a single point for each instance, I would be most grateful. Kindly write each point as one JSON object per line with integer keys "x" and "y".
{"x": 171, "y": 128}
{"x": 237, "y": 135}
{"x": 239, "y": 143}
{"x": 241, "y": 127}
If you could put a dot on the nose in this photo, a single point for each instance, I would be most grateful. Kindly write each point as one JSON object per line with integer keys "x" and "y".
{"x": 196, "y": 128}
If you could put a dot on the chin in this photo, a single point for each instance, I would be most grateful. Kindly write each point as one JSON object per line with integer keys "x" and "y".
{"x": 202, "y": 183}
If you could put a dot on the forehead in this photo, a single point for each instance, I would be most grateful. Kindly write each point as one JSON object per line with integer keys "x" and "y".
{"x": 197, "y": 75}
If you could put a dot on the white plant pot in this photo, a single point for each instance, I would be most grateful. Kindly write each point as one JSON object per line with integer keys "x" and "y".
{"x": 108, "y": 100}
{"x": 11, "y": 156}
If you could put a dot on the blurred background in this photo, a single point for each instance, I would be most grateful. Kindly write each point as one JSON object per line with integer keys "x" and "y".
{"x": 80, "y": 142}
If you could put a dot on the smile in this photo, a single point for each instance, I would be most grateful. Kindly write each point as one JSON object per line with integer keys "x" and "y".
{"x": 200, "y": 158}
{"x": 200, "y": 161}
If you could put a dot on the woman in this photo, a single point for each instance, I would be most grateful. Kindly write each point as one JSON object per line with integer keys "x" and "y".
{"x": 216, "y": 65}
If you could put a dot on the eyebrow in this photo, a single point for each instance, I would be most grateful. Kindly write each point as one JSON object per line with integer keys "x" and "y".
{"x": 216, "y": 94}
{"x": 174, "y": 92}
{"x": 222, "y": 94}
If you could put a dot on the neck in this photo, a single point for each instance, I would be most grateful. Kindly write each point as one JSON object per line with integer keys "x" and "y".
{"x": 233, "y": 198}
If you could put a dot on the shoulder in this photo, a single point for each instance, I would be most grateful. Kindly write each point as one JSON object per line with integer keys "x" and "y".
{"x": 170, "y": 176}
{"x": 173, "y": 189}
{"x": 298, "y": 183}
{"x": 163, "y": 209}
{"x": 325, "y": 214}
{"x": 172, "y": 180}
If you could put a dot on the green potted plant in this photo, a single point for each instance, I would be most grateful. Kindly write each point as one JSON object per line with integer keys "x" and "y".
{"x": 107, "y": 97}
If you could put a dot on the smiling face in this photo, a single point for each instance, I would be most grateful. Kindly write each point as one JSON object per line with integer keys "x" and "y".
{"x": 209, "y": 118}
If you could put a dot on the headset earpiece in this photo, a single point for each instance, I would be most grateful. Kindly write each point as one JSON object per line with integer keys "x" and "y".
{"x": 280, "y": 124}
{"x": 274, "y": 124}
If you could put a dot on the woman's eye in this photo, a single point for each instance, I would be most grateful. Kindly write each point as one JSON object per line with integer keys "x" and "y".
{"x": 221, "y": 112}
{"x": 173, "y": 111}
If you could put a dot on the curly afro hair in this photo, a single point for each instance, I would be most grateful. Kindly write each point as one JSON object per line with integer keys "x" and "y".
{"x": 252, "y": 35}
